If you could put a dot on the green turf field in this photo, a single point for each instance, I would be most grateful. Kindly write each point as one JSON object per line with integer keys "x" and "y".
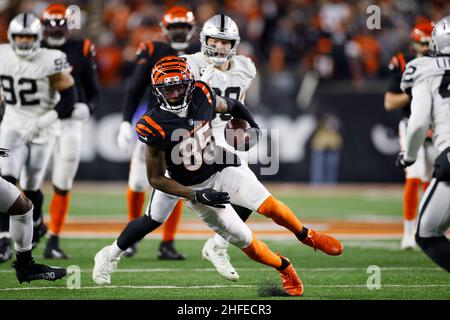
{"x": 404, "y": 275}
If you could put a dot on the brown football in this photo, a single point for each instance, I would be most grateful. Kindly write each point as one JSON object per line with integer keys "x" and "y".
{"x": 235, "y": 134}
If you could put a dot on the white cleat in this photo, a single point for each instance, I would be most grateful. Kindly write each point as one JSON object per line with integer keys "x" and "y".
{"x": 219, "y": 257}
{"x": 104, "y": 266}
{"x": 408, "y": 242}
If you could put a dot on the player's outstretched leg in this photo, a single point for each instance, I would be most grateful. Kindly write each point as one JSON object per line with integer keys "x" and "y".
{"x": 59, "y": 208}
{"x": 167, "y": 249}
{"x": 106, "y": 259}
{"x": 282, "y": 215}
{"x": 410, "y": 204}
{"x": 215, "y": 249}
{"x": 21, "y": 226}
{"x": 135, "y": 205}
{"x": 260, "y": 252}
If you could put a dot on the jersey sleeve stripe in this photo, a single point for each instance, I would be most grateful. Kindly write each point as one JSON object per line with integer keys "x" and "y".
{"x": 86, "y": 47}
{"x": 402, "y": 61}
{"x": 151, "y": 47}
{"x": 155, "y": 126}
{"x": 205, "y": 91}
{"x": 141, "y": 127}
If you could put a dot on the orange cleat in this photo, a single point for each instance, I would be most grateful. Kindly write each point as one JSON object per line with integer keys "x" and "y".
{"x": 323, "y": 242}
{"x": 291, "y": 282}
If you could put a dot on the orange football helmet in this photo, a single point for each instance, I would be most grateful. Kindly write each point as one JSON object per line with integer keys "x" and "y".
{"x": 172, "y": 82}
{"x": 54, "y": 20}
{"x": 422, "y": 32}
{"x": 178, "y": 25}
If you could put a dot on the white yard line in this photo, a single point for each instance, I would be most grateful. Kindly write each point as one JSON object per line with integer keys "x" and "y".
{"x": 229, "y": 286}
{"x": 337, "y": 269}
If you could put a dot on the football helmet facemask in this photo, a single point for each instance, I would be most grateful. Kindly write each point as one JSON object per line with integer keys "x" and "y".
{"x": 25, "y": 24}
{"x": 178, "y": 25}
{"x": 172, "y": 83}
{"x": 54, "y": 20}
{"x": 220, "y": 27}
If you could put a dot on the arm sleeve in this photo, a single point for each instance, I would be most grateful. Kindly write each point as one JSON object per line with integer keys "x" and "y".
{"x": 419, "y": 122}
{"x": 240, "y": 111}
{"x": 89, "y": 80}
{"x": 66, "y": 103}
{"x": 136, "y": 87}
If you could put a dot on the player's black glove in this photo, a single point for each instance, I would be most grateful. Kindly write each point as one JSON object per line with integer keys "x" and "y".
{"x": 4, "y": 152}
{"x": 211, "y": 197}
{"x": 401, "y": 162}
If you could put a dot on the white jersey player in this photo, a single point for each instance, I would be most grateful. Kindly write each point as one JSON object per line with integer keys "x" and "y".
{"x": 38, "y": 90}
{"x": 428, "y": 80}
{"x": 19, "y": 210}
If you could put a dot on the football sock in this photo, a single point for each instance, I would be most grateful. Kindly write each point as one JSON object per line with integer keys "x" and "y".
{"x": 437, "y": 248}
{"x": 410, "y": 198}
{"x": 409, "y": 227}
{"x": 136, "y": 230}
{"x": 135, "y": 201}
{"x": 170, "y": 226}
{"x": 23, "y": 258}
{"x": 280, "y": 214}
{"x": 261, "y": 253}
{"x": 22, "y": 231}
{"x": 425, "y": 185}
{"x": 59, "y": 207}
{"x": 115, "y": 251}
{"x": 220, "y": 241}
{"x": 4, "y": 223}
{"x": 37, "y": 198}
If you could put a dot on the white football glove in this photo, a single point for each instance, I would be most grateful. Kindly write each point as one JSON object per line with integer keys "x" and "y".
{"x": 125, "y": 138}
{"x": 81, "y": 111}
{"x": 31, "y": 128}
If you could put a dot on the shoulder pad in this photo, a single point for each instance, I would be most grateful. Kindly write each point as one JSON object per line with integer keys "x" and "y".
{"x": 148, "y": 130}
{"x": 416, "y": 71}
{"x": 88, "y": 48}
{"x": 204, "y": 91}
{"x": 245, "y": 65}
{"x": 55, "y": 61}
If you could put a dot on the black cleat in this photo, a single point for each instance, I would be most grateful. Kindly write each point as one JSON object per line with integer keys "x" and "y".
{"x": 167, "y": 252}
{"x": 38, "y": 233}
{"x": 5, "y": 249}
{"x": 34, "y": 271}
{"x": 52, "y": 250}
{"x": 131, "y": 251}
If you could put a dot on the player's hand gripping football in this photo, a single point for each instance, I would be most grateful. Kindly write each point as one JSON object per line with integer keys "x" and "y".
{"x": 401, "y": 162}
{"x": 212, "y": 198}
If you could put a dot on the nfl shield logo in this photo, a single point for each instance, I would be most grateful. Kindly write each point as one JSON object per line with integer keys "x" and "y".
{"x": 448, "y": 157}
{"x": 190, "y": 122}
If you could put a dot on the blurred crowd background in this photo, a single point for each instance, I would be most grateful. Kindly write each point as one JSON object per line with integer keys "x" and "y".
{"x": 329, "y": 37}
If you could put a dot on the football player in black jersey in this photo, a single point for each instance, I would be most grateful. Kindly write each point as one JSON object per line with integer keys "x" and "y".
{"x": 394, "y": 99}
{"x": 81, "y": 56}
{"x": 182, "y": 160}
{"x": 178, "y": 25}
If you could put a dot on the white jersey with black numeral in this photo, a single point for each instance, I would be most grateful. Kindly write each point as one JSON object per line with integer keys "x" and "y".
{"x": 232, "y": 83}
{"x": 26, "y": 87}
{"x": 428, "y": 80}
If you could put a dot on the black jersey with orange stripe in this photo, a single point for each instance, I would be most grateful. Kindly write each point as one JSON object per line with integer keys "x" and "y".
{"x": 147, "y": 54}
{"x": 397, "y": 66}
{"x": 81, "y": 57}
{"x": 190, "y": 151}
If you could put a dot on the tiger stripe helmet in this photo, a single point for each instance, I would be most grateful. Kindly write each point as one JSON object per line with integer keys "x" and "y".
{"x": 54, "y": 19}
{"x": 178, "y": 25}
{"x": 173, "y": 83}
